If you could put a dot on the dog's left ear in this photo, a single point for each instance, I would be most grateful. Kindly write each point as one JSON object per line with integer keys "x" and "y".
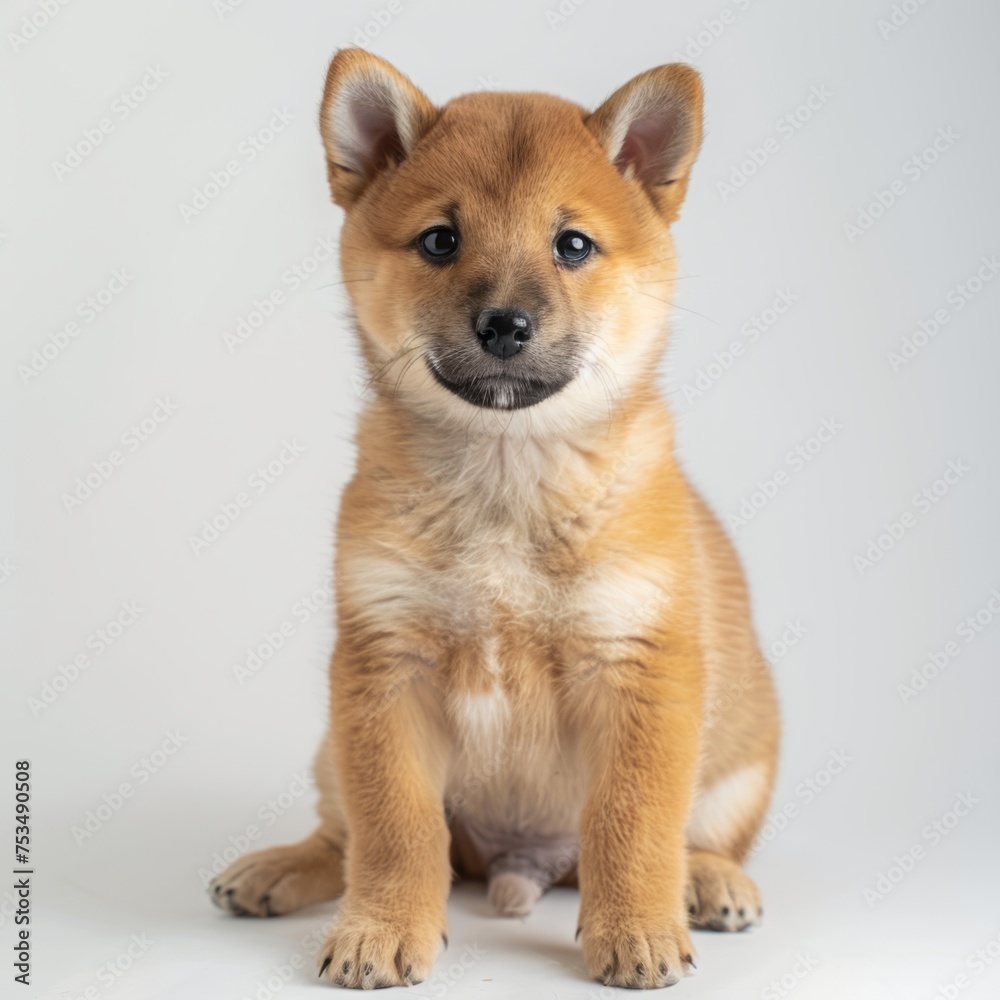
{"x": 651, "y": 130}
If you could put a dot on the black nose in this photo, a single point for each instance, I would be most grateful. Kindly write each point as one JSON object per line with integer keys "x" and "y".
{"x": 503, "y": 332}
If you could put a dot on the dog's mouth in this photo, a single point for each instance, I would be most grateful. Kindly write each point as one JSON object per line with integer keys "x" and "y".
{"x": 499, "y": 392}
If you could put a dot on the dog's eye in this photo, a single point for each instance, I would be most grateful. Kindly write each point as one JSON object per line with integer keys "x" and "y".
{"x": 573, "y": 247}
{"x": 438, "y": 243}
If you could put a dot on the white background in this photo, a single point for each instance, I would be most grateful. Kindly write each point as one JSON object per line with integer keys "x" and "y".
{"x": 192, "y": 280}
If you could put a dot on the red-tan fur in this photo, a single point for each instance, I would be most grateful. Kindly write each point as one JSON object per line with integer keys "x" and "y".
{"x": 542, "y": 631}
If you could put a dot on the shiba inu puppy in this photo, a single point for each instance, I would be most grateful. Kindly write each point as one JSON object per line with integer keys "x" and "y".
{"x": 545, "y": 668}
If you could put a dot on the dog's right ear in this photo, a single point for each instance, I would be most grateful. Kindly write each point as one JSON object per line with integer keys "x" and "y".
{"x": 371, "y": 118}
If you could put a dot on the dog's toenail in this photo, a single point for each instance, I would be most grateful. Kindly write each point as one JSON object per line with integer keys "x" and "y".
{"x": 369, "y": 968}
{"x": 324, "y": 967}
{"x": 640, "y": 969}
{"x": 725, "y": 911}
{"x": 692, "y": 909}
{"x": 345, "y": 968}
{"x": 742, "y": 912}
{"x": 663, "y": 968}
{"x": 690, "y": 961}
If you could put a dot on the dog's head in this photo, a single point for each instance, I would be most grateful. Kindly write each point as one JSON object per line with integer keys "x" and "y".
{"x": 508, "y": 251}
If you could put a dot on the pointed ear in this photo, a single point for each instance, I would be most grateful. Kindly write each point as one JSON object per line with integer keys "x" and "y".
{"x": 651, "y": 131}
{"x": 370, "y": 119}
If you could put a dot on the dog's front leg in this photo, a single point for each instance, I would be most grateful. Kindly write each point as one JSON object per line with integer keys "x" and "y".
{"x": 641, "y": 748}
{"x": 391, "y": 765}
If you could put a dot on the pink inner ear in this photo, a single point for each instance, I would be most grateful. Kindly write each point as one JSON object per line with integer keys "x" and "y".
{"x": 648, "y": 149}
{"x": 377, "y": 138}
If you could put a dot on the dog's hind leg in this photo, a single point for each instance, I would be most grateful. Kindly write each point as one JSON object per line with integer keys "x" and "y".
{"x": 281, "y": 879}
{"x": 278, "y": 880}
{"x": 725, "y": 819}
{"x": 720, "y": 895}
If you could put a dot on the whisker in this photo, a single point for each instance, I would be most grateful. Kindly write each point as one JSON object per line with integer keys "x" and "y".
{"x": 667, "y": 302}
{"x": 653, "y": 263}
{"x": 409, "y": 364}
{"x": 346, "y": 281}
{"x": 676, "y": 277}
{"x": 403, "y": 351}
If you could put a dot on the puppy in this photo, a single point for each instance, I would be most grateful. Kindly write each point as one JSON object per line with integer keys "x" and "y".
{"x": 545, "y": 668}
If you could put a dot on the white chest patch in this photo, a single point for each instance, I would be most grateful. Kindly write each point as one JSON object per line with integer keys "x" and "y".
{"x": 481, "y": 719}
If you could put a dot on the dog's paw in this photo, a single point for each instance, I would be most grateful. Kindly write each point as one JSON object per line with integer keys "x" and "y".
{"x": 280, "y": 879}
{"x": 365, "y": 953}
{"x": 620, "y": 953}
{"x": 720, "y": 895}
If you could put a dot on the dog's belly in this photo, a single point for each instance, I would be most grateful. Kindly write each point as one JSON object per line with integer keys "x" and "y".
{"x": 515, "y": 792}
